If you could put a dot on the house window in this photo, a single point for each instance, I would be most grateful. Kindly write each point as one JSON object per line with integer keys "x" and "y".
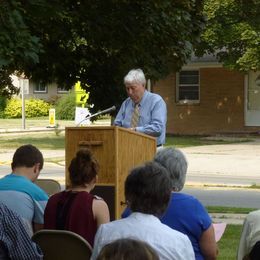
{"x": 62, "y": 89}
{"x": 40, "y": 87}
{"x": 187, "y": 87}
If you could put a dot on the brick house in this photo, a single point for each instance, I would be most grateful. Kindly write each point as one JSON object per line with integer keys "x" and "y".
{"x": 205, "y": 98}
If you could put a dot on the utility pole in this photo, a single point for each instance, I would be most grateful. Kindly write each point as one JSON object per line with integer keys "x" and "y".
{"x": 24, "y": 87}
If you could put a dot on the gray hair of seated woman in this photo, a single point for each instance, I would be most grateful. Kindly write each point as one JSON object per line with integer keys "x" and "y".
{"x": 176, "y": 163}
{"x": 135, "y": 76}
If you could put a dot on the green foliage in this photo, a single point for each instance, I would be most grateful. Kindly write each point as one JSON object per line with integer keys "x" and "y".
{"x": 33, "y": 108}
{"x": 3, "y": 101}
{"x": 36, "y": 108}
{"x": 233, "y": 32}
{"x": 16, "y": 40}
{"x": 65, "y": 107}
{"x": 13, "y": 108}
{"x": 19, "y": 47}
{"x": 98, "y": 42}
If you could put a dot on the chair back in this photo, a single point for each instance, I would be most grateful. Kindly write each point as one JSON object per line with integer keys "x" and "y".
{"x": 62, "y": 244}
{"x": 50, "y": 186}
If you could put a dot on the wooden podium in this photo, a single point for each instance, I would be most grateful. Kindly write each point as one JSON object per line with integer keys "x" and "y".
{"x": 117, "y": 150}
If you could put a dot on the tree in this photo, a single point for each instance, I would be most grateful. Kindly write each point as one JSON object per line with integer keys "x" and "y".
{"x": 233, "y": 33}
{"x": 97, "y": 42}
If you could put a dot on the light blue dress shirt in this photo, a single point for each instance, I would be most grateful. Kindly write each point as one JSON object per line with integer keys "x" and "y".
{"x": 153, "y": 116}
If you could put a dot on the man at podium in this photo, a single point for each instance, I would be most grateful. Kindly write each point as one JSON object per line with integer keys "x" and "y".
{"x": 142, "y": 111}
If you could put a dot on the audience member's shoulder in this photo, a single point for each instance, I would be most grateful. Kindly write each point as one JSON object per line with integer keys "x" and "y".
{"x": 37, "y": 193}
{"x": 56, "y": 196}
{"x": 184, "y": 196}
{"x": 254, "y": 216}
{"x": 155, "y": 96}
{"x": 172, "y": 232}
{"x": 176, "y": 239}
{"x": 97, "y": 197}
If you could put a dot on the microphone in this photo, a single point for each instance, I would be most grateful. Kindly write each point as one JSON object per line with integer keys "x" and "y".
{"x": 108, "y": 110}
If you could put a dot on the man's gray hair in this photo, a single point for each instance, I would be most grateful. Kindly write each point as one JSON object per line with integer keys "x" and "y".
{"x": 135, "y": 76}
{"x": 176, "y": 164}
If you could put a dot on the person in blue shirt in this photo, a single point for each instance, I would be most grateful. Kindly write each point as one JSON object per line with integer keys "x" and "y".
{"x": 19, "y": 193}
{"x": 152, "y": 110}
{"x": 185, "y": 213}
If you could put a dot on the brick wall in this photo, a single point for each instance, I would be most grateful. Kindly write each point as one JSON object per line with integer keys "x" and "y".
{"x": 221, "y": 107}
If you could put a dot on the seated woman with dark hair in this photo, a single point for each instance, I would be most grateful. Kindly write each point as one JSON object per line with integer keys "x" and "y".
{"x": 76, "y": 209}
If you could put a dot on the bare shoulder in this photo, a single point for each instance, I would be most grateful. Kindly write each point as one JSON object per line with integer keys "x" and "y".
{"x": 99, "y": 203}
{"x": 100, "y": 211}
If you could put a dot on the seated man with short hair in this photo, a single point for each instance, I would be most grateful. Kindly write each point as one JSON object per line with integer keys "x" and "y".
{"x": 147, "y": 192}
{"x": 19, "y": 193}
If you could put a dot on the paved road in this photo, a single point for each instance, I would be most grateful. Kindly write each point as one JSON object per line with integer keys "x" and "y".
{"x": 232, "y": 197}
{"x": 229, "y": 197}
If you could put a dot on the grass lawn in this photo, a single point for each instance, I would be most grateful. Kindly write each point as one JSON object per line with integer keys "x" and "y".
{"x": 46, "y": 140}
{"x": 186, "y": 141}
{"x": 228, "y": 244}
{"x": 232, "y": 210}
{"x": 31, "y": 122}
{"x": 49, "y": 140}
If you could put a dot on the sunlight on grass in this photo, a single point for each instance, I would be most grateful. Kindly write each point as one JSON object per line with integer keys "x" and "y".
{"x": 234, "y": 210}
{"x": 187, "y": 141}
{"x": 49, "y": 140}
{"x": 228, "y": 244}
{"x": 41, "y": 140}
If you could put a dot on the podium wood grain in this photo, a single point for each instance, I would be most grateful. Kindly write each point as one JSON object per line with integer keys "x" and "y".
{"x": 117, "y": 150}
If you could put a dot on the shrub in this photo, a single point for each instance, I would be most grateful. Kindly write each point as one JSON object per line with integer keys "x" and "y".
{"x": 36, "y": 108}
{"x": 13, "y": 108}
{"x": 33, "y": 108}
{"x": 3, "y": 101}
{"x": 65, "y": 107}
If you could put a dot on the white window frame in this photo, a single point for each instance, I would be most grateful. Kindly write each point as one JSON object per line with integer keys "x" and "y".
{"x": 187, "y": 101}
{"x": 40, "y": 91}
